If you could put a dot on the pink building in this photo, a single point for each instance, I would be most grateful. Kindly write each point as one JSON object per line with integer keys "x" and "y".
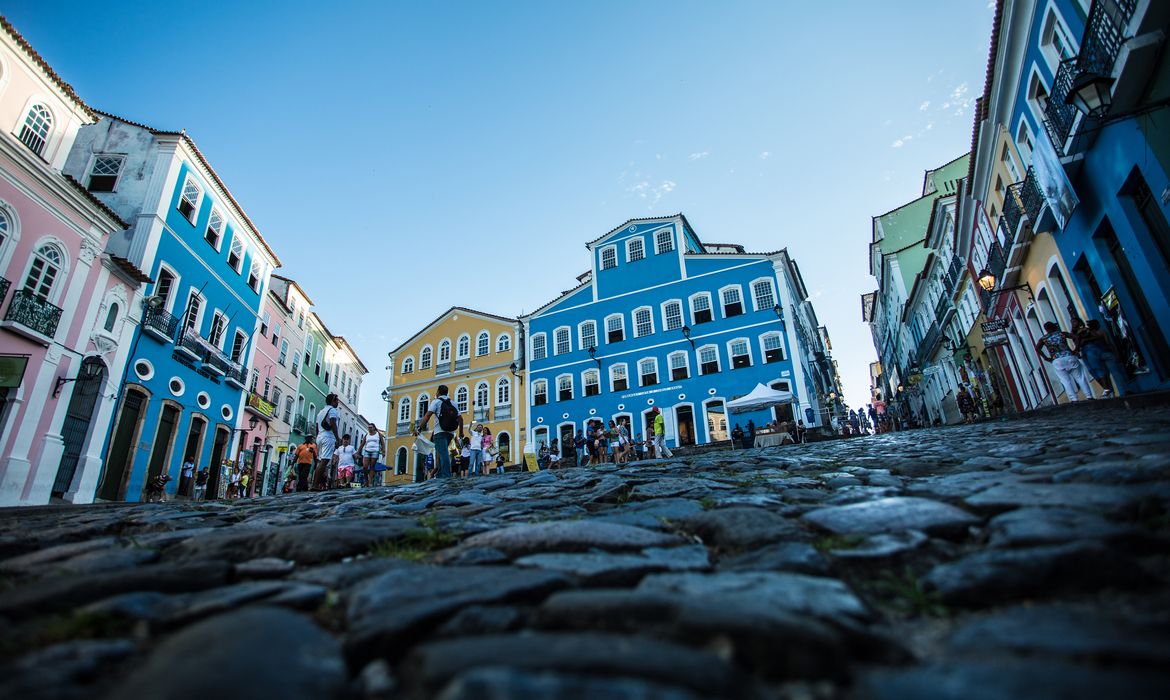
{"x": 67, "y": 309}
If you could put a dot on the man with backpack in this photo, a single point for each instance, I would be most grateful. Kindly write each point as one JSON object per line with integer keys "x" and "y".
{"x": 449, "y": 421}
{"x": 327, "y": 441}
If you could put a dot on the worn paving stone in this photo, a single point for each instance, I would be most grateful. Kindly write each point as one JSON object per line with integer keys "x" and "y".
{"x": 603, "y": 567}
{"x": 892, "y": 514}
{"x": 739, "y": 528}
{"x": 505, "y": 683}
{"x": 797, "y": 557}
{"x": 307, "y": 543}
{"x": 569, "y": 536}
{"x": 1102, "y": 498}
{"x": 797, "y": 593}
{"x": 1036, "y": 526}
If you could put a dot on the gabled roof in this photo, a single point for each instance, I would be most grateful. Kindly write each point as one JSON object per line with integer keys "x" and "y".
{"x": 545, "y": 306}
{"x": 293, "y": 283}
{"x": 340, "y": 340}
{"x": 44, "y": 65}
{"x": 95, "y": 201}
{"x": 668, "y": 217}
{"x": 182, "y": 135}
{"x": 981, "y": 105}
{"x": 441, "y": 317}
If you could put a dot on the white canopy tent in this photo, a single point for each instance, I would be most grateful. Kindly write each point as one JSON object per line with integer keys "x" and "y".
{"x": 760, "y": 398}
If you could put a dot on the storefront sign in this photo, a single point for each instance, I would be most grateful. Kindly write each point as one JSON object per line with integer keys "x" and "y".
{"x": 994, "y": 332}
{"x": 12, "y": 370}
{"x": 530, "y": 462}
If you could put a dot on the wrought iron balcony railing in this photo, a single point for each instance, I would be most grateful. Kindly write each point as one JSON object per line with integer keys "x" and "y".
{"x": 443, "y": 368}
{"x": 926, "y": 347}
{"x": 954, "y": 273}
{"x": 463, "y": 364}
{"x": 503, "y": 412}
{"x": 1013, "y": 212}
{"x": 160, "y": 323}
{"x": 234, "y": 374}
{"x": 4, "y": 285}
{"x": 301, "y": 425}
{"x": 483, "y": 414}
{"x": 1032, "y": 197}
{"x": 941, "y": 307}
{"x": 403, "y": 428}
{"x": 33, "y": 313}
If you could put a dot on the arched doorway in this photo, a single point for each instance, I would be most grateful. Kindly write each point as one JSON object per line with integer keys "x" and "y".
{"x": 504, "y": 445}
{"x": 568, "y": 451}
{"x": 123, "y": 445}
{"x": 164, "y": 440}
{"x": 684, "y": 415}
{"x": 214, "y": 467}
{"x": 75, "y": 429}
{"x": 716, "y": 415}
{"x": 191, "y": 451}
{"x": 400, "y": 461}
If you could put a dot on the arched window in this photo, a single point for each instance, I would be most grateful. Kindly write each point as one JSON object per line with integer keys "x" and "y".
{"x": 701, "y": 308}
{"x": 615, "y": 328}
{"x": 672, "y": 315}
{"x": 463, "y": 347}
{"x": 565, "y": 387}
{"x": 648, "y": 371}
{"x": 539, "y": 392}
{"x": 619, "y": 379}
{"x": 482, "y": 343}
{"x": 564, "y": 343}
{"x": 288, "y": 407}
{"x": 481, "y": 395}
{"x": 424, "y": 401}
{"x": 46, "y": 265}
{"x": 504, "y": 343}
{"x": 445, "y": 350}
{"x": 503, "y": 391}
{"x": 408, "y": 365}
{"x": 635, "y": 249}
{"x": 404, "y": 410}
{"x": 111, "y": 318}
{"x": 773, "y": 346}
{"x": 680, "y": 366}
{"x": 254, "y": 276}
{"x": 35, "y": 131}
{"x": 424, "y": 358}
{"x": 732, "y": 301}
{"x": 461, "y": 395}
{"x": 591, "y": 380}
{"x": 5, "y": 229}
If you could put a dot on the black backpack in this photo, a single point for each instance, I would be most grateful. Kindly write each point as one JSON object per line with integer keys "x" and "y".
{"x": 448, "y": 416}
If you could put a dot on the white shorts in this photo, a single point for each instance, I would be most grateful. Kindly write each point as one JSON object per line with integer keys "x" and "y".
{"x": 326, "y": 447}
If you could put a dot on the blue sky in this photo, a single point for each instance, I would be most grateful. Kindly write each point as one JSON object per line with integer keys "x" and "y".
{"x": 455, "y": 139}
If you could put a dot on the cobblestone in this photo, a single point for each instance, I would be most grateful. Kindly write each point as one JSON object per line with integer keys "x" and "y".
{"x": 1025, "y": 557}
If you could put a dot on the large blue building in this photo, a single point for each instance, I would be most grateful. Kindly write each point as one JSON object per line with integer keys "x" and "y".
{"x": 662, "y": 320}
{"x": 184, "y": 390}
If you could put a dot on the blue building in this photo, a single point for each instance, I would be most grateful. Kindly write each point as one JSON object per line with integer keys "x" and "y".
{"x": 183, "y": 392}
{"x": 662, "y": 320}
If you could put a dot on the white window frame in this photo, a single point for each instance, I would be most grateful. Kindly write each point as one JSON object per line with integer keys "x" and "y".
{"x": 686, "y": 357}
{"x": 581, "y": 335}
{"x": 255, "y": 276}
{"x": 243, "y": 358}
{"x": 764, "y": 350}
{"x": 543, "y": 354}
{"x": 426, "y": 357}
{"x": 408, "y": 364}
{"x": 1052, "y": 25}
{"x": 487, "y": 343}
{"x": 1025, "y": 150}
{"x": 444, "y": 347}
{"x": 657, "y": 374}
{"x": 666, "y": 317}
{"x": 630, "y": 246}
{"x": 540, "y": 384}
{"x": 93, "y": 164}
{"x": 723, "y": 304}
{"x": 731, "y": 355}
{"x": 658, "y": 241}
{"x": 699, "y": 359}
{"x": 621, "y": 326}
{"x": 505, "y": 399}
{"x": 625, "y": 368}
{"x": 237, "y": 242}
{"x": 404, "y": 409}
{"x": 572, "y": 388}
{"x": 585, "y": 375}
{"x": 486, "y": 394}
{"x": 756, "y": 297}
{"x": 466, "y": 398}
{"x": 568, "y": 336}
{"x": 194, "y": 215}
{"x": 634, "y": 319}
{"x": 601, "y": 257}
{"x": 710, "y": 305}
{"x": 217, "y": 342}
{"x": 504, "y": 342}
{"x": 47, "y": 120}
{"x": 460, "y": 353}
{"x": 1036, "y": 78}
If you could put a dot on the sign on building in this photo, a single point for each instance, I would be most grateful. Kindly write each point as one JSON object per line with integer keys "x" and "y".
{"x": 994, "y": 332}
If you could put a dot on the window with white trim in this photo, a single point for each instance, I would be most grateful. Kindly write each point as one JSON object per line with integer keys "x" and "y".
{"x": 1037, "y": 95}
{"x": 481, "y": 395}
{"x": 1024, "y": 139}
{"x": 103, "y": 174}
{"x": 740, "y": 353}
{"x": 320, "y": 357}
{"x": 608, "y": 257}
{"x": 504, "y": 343}
{"x": 635, "y": 249}
{"x": 424, "y": 358}
{"x": 404, "y": 410}
{"x": 34, "y": 133}
{"x": 587, "y": 334}
{"x": 763, "y": 296}
{"x": 615, "y": 328}
{"x": 773, "y": 347}
{"x": 539, "y": 346}
{"x": 539, "y": 392}
{"x": 619, "y": 379}
{"x": 265, "y": 321}
{"x": 708, "y": 359}
{"x": 643, "y": 322}
{"x": 483, "y": 343}
{"x": 189, "y": 200}
{"x": 503, "y": 391}
{"x": 680, "y": 366}
{"x": 408, "y": 365}
{"x": 424, "y": 403}
{"x": 701, "y": 308}
{"x": 192, "y": 310}
{"x": 445, "y": 351}
{"x": 254, "y": 276}
{"x": 1055, "y": 41}
{"x": 664, "y": 241}
{"x": 564, "y": 343}
{"x": 565, "y": 387}
{"x": 461, "y": 399}
{"x": 236, "y": 253}
{"x": 591, "y": 380}
{"x": 42, "y": 273}
{"x": 217, "y": 329}
{"x": 732, "y": 301}
{"x": 463, "y": 347}
{"x": 648, "y": 371}
{"x": 214, "y": 232}
{"x": 283, "y": 352}
{"x": 238, "y": 344}
{"x": 672, "y": 319}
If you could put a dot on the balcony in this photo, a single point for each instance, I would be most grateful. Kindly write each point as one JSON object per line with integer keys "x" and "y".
{"x": 4, "y": 285}
{"x": 191, "y": 345}
{"x": 996, "y": 263}
{"x": 257, "y": 405}
{"x": 1032, "y": 199}
{"x": 954, "y": 273}
{"x": 402, "y": 429}
{"x": 160, "y": 324}
{"x": 503, "y": 413}
{"x": 301, "y": 425}
{"x": 942, "y": 308}
{"x": 1013, "y": 212}
{"x": 926, "y": 347}
{"x": 463, "y": 364}
{"x": 442, "y": 368}
{"x": 483, "y": 414}
{"x": 32, "y": 316}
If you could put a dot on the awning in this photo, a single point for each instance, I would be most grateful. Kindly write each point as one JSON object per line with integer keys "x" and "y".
{"x": 760, "y": 398}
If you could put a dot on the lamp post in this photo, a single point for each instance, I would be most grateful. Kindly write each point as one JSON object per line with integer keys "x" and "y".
{"x": 987, "y": 281}
{"x": 593, "y": 356}
{"x": 780, "y": 315}
{"x": 515, "y": 370}
{"x": 88, "y": 372}
{"x": 686, "y": 331}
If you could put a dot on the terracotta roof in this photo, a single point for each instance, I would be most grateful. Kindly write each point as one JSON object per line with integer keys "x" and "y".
{"x": 438, "y": 318}
{"x": 982, "y": 102}
{"x": 740, "y": 253}
{"x": 214, "y": 175}
{"x": 36, "y": 57}
{"x": 639, "y": 220}
{"x": 95, "y": 201}
{"x": 131, "y": 269}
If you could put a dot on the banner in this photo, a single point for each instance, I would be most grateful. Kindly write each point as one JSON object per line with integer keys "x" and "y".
{"x": 1052, "y": 181}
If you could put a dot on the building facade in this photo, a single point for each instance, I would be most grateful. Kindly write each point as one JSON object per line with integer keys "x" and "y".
{"x": 285, "y": 306}
{"x": 183, "y": 393}
{"x": 68, "y": 309}
{"x": 345, "y": 373}
{"x": 662, "y": 320}
{"x": 478, "y": 356}
{"x": 313, "y": 386}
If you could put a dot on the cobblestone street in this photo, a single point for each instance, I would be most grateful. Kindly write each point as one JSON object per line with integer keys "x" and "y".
{"x": 1024, "y": 558}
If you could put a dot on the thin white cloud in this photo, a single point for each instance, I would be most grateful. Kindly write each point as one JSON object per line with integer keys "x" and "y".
{"x": 765, "y": 155}
{"x": 924, "y": 106}
{"x": 902, "y": 141}
{"x": 959, "y": 91}
{"x": 699, "y": 155}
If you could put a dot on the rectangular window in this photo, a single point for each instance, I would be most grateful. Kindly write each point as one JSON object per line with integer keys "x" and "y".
{"x": 701, "y": 306}
{"x": 664, "y": 241}
{"x": 773, "y": 348}
{"x": 765, "y": 299}
{"x": 565, "y": 389}
{"x": 592, "y": 384}
{"x": 265, "y": 319}
{"x": 672, "y": 316}
{"x": 739, "y": 354}
{"x": 540, "y": 394}
{"x": 564, "y": 346}
{"x": 708, "y": 360}
{"x": 643, "y": 323}
{"x": 648, "y": 372}
{"x": 283, "y": 352}
{"x": 732, "y": 302}
{"x": 276, "y": 329}
{"x": 194, "y": 304}
{"x": 189, "y": 201}
{"x": 218, "y": 326}
{"x": 236, "y": 254}
{"x": 254, "y": 277}
{"x": 104, "y": 173}
{"x": 237, "y": 353}
{"x": 214, "y": 233}
{"x": 539, "y": 347}
{"x": 617, "y": 376}
{"x": 635, "y": 249}
{"x": 615, "y": 330}
{"x": 608, "y": 258}
{"x": 588, "y": 335}
{"x": 679, "y": 368}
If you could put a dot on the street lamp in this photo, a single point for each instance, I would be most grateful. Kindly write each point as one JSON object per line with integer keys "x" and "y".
{"x": 593, "y": 356}
{"x": 686, "y": 331}
{"x": 515, "y": 370}
{"x": 987, "y": 281}
{"x": 1091, "y": 93}
{"x": 779, "y": 314}
{"x": 89, "y": 371}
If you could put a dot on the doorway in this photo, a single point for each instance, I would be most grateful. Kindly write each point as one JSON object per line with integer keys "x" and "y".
{"x": 568, "y": 449}
{"x": 685, "y": 417}
{"x": 78, "y": 417}
{"x": 215, "y": 466}
{"x": 782, "y": 413}
{"x": 504, "y": 445}
{"x": 716, "y": 421}
{"x": 400, "y": 461}
{"x": 191, "y": 451}
{"x": 123, "y": 445}
{"x": 164, "y": 438}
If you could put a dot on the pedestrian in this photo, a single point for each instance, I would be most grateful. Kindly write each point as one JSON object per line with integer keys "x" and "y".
{"x": 185, "y": 474}
{"x": 372, "y": 448}
{"x": 306, "y": 455}
{"x": 542, "y": 456}
{"x": 625, "y": 447}
{"x": 242, "y": 488}
{"x": 475, "y": 452}
{"x": 201, "y": 484}
{"x": 156, "y": 488}
{"x": 854, "y": 422}
{"x": 290, "y": 482}
{"x": 737, "y": 437}
{"x": 488, "y": 450}
{"x": 554, "y": 454}
{"x": 345, "y": 461}
{"x": 800, "y": 432}
{"x": 448, "y": 422}
{"x": 1101, "y": 361}
{"x": 429, "y": 470}
{"x": 579, "y": 444}
{"x": 327, "y": 441}
{"x": 966, "y": 404}
{"x": 1053, "y": 346}
{"x": 660, "y": 448}
{"x": 465, "y": 455}
{"x": 612, "y": 442}
{"x": 640, "y": 447}
{"x": 751, "y": 431}
{"x": 233, "y": 484}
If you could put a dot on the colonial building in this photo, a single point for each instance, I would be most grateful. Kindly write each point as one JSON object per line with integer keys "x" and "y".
{"x": 663, "y": 320}
{"x": 68, "y": 310}
{"x": 345, "y": 372}
{"x": 285, "y": 308}
{"x": 183, "y": 393}
{"x": 313, "y": 385}
{"x": 478, "y": 357}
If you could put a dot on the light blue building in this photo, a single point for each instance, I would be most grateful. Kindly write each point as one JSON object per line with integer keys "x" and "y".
{"x": 662, "y": 320}
{"x": 184, "y": 388}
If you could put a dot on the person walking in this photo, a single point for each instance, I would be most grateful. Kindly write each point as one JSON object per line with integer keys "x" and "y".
{"x": 475, "y": 452}
{"x": 449, "y": 421}
{"x": 1098, "y": 356}
{"x": 305, "y": 455}
{"x": 1053, "y": 346}
{"x": 327, "y": 442}
{"x": 580, "y": 443}
{"x": 242, "y": 489}
{"x": 185, "y": 474}
{"x": 345, "y": 461}
{"x": 660, "y": 448}
{"x": 372, "y": 448}
{"x": 201, "y": 484}
{"x": 489, "y": 450}
{"x": 465, "y": 455}
{"x": 966, "y": 404}
{"x": 625, "y": 447}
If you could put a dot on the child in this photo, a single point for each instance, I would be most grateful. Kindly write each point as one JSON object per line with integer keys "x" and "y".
{"x": 465, "y": 457}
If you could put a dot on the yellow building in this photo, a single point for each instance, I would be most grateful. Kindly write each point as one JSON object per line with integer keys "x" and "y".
{"x": 478, "y": 357}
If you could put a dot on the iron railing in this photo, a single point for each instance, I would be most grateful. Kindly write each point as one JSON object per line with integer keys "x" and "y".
{"x": 1013, "y": 211}
{"x": 301, "y": 425}
{"x": 926, "y": 347}
{"x": 503, "y": 412}
{"x": 463, "y": 364}
{"x": 996, "y": 264}
{"x": 941, "y": 307}
{"x": 483, "y": 414}
{"x": 34, "y": 313}
{"x": 1032, "y": 197}
{"x": 954, "y": 272}
{"x": 403, "y": 429}
{"x": 443, "y": 368}
{"x": 161, "y": 321}
{"x": 4, "y": 285}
